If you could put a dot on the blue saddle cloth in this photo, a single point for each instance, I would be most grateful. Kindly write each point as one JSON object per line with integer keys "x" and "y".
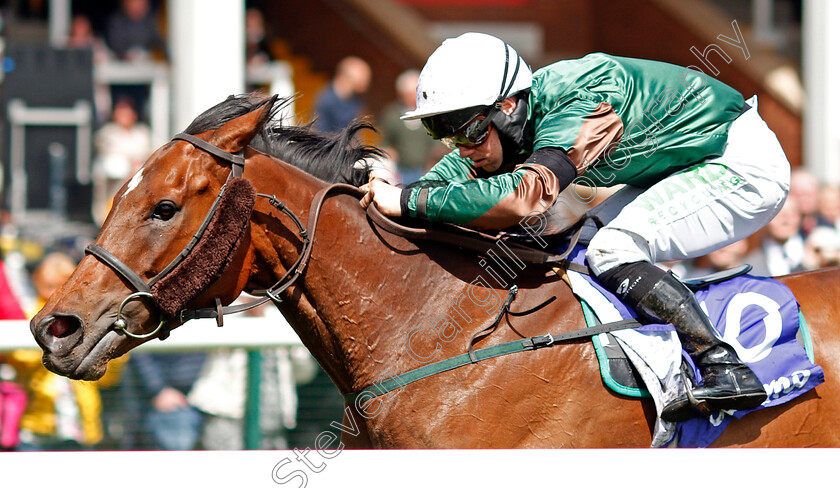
{"x": 760, "y": 318}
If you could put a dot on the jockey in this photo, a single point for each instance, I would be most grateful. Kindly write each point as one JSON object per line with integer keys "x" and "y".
{"x": 708, "y": 169}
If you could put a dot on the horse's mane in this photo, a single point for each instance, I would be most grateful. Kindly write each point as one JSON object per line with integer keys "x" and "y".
{"x": 338, "y": 158}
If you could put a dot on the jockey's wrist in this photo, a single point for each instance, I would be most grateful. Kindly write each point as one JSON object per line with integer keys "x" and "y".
{"x": 405, "y": 194}
{"x": 373, "y": 177}
{"x": 557, "y": 161}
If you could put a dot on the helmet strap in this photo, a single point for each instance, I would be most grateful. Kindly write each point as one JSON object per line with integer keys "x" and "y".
{"x": 511, "y": 127}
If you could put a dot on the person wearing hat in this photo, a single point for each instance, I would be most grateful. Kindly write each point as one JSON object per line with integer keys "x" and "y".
{"x": 705, "y": 168}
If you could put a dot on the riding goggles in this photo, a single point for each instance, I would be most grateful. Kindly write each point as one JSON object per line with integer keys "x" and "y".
{"x": 468, "y": 126}
{"x": 473, "y": 135}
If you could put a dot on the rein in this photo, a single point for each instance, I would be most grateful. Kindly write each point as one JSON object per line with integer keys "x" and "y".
{"x": 144, "y": 289}
{"x": 478, "y": 241}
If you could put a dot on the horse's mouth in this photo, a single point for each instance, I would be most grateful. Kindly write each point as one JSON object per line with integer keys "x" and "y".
{"x": 68, "y": 353}
{"x": 94, "y": 364}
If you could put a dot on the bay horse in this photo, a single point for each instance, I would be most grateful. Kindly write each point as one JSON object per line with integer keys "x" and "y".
{"x": 363, "y": 292}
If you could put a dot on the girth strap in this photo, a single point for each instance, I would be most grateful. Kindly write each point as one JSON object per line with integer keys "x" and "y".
{"x": 473, "y": 356}
{"x": 529, "y": 344}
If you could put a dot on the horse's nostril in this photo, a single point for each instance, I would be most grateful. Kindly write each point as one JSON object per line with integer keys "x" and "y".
{"x": 59, "y": 334}
{"x": 63, "y": 326}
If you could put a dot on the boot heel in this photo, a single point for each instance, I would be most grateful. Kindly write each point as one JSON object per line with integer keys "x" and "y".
{"x": 686, "y": 406}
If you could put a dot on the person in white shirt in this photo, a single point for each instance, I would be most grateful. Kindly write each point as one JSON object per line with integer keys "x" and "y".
{"x": 782, "y": 248}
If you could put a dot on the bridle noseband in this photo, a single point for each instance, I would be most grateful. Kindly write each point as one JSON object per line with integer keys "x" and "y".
{"x": 144, "y": 288}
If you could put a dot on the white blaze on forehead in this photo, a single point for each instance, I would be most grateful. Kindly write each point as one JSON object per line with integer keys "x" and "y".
{"x": 135, "y": 180}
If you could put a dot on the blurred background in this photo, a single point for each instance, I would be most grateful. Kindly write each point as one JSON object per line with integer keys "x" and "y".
{"x": 89, "y": 88}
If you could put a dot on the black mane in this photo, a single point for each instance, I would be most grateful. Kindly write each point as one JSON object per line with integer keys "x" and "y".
{"x": 338, "y": 158}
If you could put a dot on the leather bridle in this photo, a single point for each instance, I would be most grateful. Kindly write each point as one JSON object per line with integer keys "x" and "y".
{"x": 144, "y": 288}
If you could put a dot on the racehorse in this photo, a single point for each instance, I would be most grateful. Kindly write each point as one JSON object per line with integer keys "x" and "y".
{"x": 362, "y": 293}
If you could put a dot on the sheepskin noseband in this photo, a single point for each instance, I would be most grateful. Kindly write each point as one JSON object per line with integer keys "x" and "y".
{"x": 214, "y": 250}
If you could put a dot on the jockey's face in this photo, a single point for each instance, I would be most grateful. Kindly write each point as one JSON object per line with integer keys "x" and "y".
{"x": 487, "y": 155}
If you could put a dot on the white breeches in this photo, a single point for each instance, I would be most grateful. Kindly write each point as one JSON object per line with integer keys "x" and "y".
{"x": 702, "y": 208}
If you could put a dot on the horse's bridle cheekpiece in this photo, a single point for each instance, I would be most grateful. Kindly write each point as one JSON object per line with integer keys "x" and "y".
{"x": 189, "y": 274}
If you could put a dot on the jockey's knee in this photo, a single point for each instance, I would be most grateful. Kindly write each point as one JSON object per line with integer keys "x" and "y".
{"x": 612, "y": 247}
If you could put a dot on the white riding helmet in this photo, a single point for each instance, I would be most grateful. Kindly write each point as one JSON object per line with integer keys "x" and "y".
{"x": 467, "y": 71}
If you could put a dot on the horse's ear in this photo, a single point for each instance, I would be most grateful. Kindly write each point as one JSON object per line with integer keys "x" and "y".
{"x": 236, "y": 134}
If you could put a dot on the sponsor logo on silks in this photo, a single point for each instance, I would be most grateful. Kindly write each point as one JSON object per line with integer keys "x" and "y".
{"x": 677, "y": 196}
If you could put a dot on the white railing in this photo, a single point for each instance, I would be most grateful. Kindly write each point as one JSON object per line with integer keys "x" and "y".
{"x": 238, "y": 332}
{"x": 251, "y": 333}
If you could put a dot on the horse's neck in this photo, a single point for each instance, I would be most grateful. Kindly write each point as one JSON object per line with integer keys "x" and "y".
{"x": 358, "y": 297}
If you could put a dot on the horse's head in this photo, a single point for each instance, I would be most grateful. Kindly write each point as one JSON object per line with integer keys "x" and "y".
{"x": 136, "y": 275}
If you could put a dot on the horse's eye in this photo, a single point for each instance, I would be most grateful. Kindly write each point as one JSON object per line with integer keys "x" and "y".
{"x": 165, "y": 210}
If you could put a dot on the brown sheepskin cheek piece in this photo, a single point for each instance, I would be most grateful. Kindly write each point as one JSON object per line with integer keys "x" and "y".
{"x": 213, "y": 252}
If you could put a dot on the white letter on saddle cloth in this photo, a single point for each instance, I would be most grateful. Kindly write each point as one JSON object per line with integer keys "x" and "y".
{"x": 772, "y": 325}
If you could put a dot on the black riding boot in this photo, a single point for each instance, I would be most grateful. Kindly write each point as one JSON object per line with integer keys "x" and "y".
{"x": 661, "y": 298}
